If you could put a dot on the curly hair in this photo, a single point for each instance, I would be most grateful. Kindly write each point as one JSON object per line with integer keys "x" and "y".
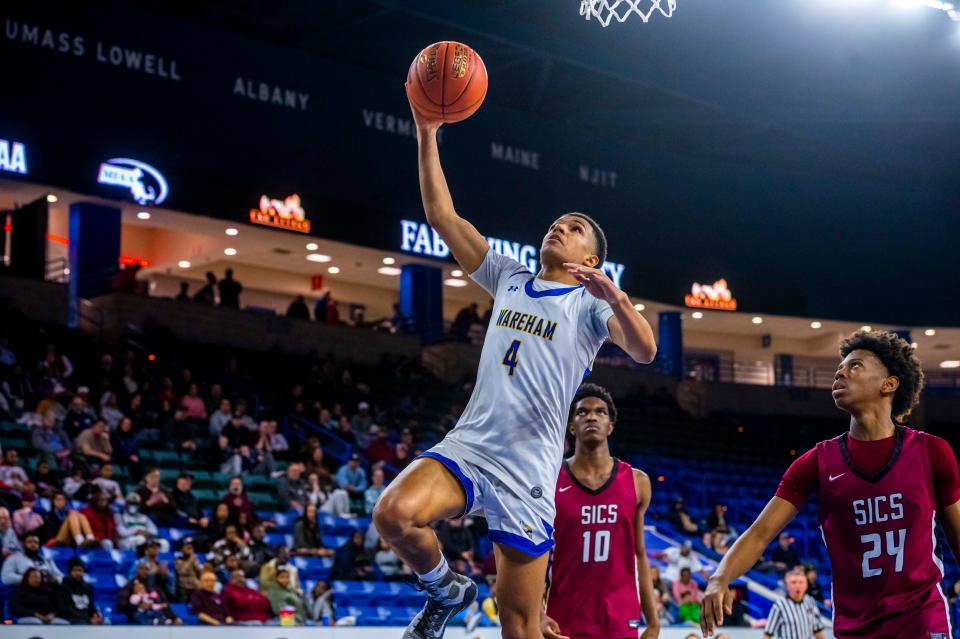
{"x": 593, "y": 390}
{"x": 898, "y": 356}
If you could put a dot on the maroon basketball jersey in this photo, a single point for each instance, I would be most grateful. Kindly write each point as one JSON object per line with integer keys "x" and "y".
{"x": 593, "y": 586}
{"x": 879, "y": 532}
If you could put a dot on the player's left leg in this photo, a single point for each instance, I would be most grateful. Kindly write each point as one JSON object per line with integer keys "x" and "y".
{"x": 520, "y": 585}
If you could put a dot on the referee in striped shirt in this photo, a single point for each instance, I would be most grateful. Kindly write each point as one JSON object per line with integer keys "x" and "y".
{"x": 795, "y": 616}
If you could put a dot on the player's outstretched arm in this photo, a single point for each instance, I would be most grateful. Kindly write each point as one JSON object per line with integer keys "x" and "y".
{"x": 648, "y": 600}
{"x": 627, "y": 327}
{"x": 745, "y": 553}
{"x": 949, "y": 518}
{"x": 465, "y": 242}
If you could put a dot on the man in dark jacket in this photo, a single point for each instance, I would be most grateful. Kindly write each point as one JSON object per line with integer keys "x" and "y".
{"x": 75, "y": 597}
{"x": 187, "y": 504}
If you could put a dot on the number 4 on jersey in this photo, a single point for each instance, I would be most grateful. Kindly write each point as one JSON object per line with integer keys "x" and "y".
{"x": 510, "y": 358}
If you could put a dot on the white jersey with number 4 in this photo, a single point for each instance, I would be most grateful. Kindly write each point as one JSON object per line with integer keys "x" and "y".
{"x": 541, "y": 342}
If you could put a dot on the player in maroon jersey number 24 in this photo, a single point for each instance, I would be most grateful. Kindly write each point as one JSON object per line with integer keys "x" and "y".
{"x": 599, "y": 558}
{"x": 881, "y": 486}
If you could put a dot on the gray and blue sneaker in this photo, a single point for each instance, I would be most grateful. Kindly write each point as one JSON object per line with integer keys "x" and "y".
{"x": 445, "y": 599}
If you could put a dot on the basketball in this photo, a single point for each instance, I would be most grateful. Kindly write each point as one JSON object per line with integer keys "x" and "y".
{"x": 447, "y": 81}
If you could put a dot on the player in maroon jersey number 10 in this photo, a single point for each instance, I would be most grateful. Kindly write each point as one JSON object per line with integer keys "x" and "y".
{"x": 599, "y": 558}
{"x": 881, "y": 485}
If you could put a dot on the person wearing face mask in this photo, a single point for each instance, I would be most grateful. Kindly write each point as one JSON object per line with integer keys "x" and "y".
{"x": 17, "y": 564}
{"x": 134, "y": 528}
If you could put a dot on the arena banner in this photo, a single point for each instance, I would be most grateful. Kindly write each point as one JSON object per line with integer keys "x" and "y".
{"x": 276, "y": 632}
{"x": 144, "y": 108}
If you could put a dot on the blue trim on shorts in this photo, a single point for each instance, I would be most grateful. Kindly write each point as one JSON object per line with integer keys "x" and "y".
{"x": 521, "y": 543}
{"x": 455, "y": 469}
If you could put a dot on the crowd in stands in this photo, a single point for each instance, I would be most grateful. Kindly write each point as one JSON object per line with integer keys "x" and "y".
{"x": 89, "y": 483}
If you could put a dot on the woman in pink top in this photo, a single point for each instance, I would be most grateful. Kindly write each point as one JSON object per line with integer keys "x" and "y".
{"x": 196, "y": 409}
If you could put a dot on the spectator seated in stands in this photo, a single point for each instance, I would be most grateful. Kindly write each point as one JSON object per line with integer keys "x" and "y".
{"x": 372, "y": 494}
{"x": 94, "y": 445}
{"x": 247, "y": 606}
{"x": 380, "y": 450}
{"x": 232, "y": 545}
{"x": 319, "y": 603}
{"x": 12, "y": 477}
{"x": 9, "y": 543}
{"x": 662, "y": 593}
{"x": 679, "y": 558}
{"x": 150, "y": 606}
{"x": 352, "y": 478}
{"x": 815, "y": 590}
{"x": 193, "y": 404}
{"x": 307, "y": 536}
{"x": 785, "y": 556}
{"x": 95, "y": 525}
{"x": 388, "y": 565}
{"x": 187, "y": 569}
{"x": 32, "y": 602}
{"x": 681, "y": 520}
{"x": 45, "y": 479}
{"x": 155, "y": 502}
{"x": 458, "y": 544}
{"x": 220, "y": 418}
{"x": 134, "y": 528}
{"x": 77, "y": 418}
{"x": 126, "y": 448}
{"x": 268, "y": 572}
{"x": 260, "y": 550}
{"x": 239, "y": 504}
{"x": 74, "y": 597}
{"x": 17, "y": 564}
{"x": 352, "y": 561}
{"x": 208, "y": 605}
{"x": 77, "y": 486}
{"x": 179, "y": 432}
{"x": 158, "y": 576}
{"x": 107, "y": 485}
{"x": 50, "y": 439}
{"x": 215, "y": 528}
{"x": 188, "y": 506}
{"x": 26, "y": 519}
{"x": 225, "y": 569}
{"x": 292, "y": 488}
{"x": 109, "y": 411}
{"x": 687, "y": 595}
{"x": 283, "y": 595}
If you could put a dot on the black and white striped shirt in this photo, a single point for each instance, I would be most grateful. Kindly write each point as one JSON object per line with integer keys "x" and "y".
{"x": 789, "y": 619}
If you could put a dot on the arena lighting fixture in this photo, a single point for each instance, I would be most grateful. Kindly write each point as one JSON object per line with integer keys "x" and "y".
{"x": 183, "y": 264}
{"x": 389, "y": 261}
{"x": 143, "y": 215}
{"x": 388, "y": 270}
{"x": 455, "y": 282}
{"x": 51, "y": 198}
{"x": 230, "y": 251}
{"x": 312, "y": 246}
{"x": 333, "y": 270}
{"x": 696, "y": 315}
{"x": 318, "y": 257}
{"x": 456, "y": 273}
{"x": 231, "y": 231}
{"x": 66, "y": 271}
{"x": 930, "y": 332}
{"x": 639, "y": 307}
{"x": 914, "y": 345}
{"x": 757, "y": 320}
{"x": 866, "y": 327}
{"x": 950, "y": 363}
{"x": 816, "y": 325}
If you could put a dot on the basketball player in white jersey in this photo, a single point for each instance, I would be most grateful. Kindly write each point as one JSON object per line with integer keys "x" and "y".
{"x": 502, "y": 458}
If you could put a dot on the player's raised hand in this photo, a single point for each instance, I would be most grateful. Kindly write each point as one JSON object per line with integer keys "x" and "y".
{"x": 717, "y": 600}
{"x": 550, "y": 628}
{"x": 595, "y": 281}
{"x": 423, "y": 122}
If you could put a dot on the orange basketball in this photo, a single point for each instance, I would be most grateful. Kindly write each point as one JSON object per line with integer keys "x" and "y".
{"x": 447, "y": 81}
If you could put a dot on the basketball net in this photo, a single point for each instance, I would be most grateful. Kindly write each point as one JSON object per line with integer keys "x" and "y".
{"x": 606, "y": 11}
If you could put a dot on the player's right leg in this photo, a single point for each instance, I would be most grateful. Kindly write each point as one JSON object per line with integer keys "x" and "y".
{"x": 427, "y": 491}
{"x": 423, "y": 494}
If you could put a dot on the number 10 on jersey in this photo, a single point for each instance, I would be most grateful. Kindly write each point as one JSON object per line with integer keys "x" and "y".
{"x": 510, "y": 358}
